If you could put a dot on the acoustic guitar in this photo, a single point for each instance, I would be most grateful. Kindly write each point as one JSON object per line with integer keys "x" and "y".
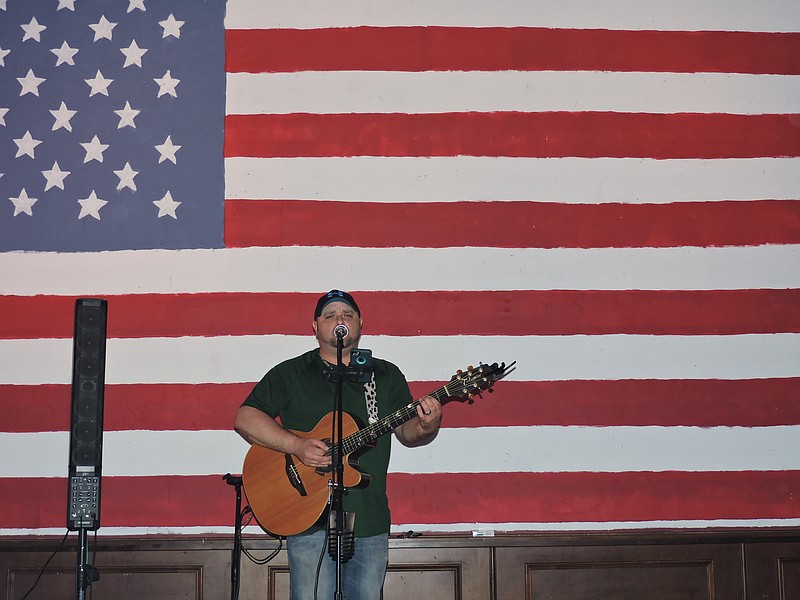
{"x": 287, "y": 497}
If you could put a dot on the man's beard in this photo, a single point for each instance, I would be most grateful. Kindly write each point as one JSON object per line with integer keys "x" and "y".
{"x": 349, "y": 341}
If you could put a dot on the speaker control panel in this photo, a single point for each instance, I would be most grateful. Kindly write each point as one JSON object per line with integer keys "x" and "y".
{"x": 83, "y": 502}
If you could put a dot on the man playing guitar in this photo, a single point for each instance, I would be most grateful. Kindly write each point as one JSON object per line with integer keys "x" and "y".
{"x": 299, "y": 393}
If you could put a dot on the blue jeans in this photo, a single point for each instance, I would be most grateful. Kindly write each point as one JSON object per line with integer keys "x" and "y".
{"x": 362, "y": 575}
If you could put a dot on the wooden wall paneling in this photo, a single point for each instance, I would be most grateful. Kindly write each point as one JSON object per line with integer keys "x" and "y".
{"x": 773, "y": 571}
{"x": 125, "y": 574}
{"x": 264, "y": 582}
{"x": 631, "y": 566}
{"x": 655, "y": 572}
{"x": 419, "y": 568}
{"x": 435, "y": 570}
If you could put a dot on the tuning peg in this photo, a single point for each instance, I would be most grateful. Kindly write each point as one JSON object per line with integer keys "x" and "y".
{"x": 469, "y": 367}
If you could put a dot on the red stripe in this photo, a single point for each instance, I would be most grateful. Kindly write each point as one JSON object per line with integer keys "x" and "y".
{"x": 124, "y": 502}
{"x": 437, "y": 499}
{"x": 159, "y": 407}
{"x": 515, "y": 49}
{"x": 698, "y": 403}
{"x": 514, "y": 134}
{"x": 636, "y": 402}
{"x": 592, "y": 497}
{"x": 520, "y": 312}
{"x": 511, "y": 224}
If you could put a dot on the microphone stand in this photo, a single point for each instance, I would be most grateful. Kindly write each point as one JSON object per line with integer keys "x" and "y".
{"x": 341, "y": 540}
{"x": 337, "y": 498}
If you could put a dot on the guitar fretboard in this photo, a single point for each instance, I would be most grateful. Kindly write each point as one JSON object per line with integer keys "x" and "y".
{"x": 355, "y": 441}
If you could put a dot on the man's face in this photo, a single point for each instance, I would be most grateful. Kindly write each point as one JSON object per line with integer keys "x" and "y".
{"x": 333, "y": 314}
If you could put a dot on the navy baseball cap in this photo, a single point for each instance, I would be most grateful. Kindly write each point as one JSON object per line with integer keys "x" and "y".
{"x": 335, "y": 296}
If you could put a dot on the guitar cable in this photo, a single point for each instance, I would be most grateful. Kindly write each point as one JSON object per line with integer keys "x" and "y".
{"x": 44, "y": 567}
{"x": 259, "y": 561}
{"x": 322, "y": 550}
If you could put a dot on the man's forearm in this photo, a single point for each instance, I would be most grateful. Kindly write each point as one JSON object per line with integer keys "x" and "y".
{"x": 259, "y": 428}
{"x": 412, "y": 433}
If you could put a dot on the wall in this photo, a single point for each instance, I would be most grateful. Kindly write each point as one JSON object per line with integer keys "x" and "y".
{"x": 733, "y": 565}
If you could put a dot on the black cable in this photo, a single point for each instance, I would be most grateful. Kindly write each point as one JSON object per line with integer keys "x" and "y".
{"x": 93, "y": 574}
{"x": 259, "y": 561}
{"x": 322, "y": 551}
{"x": 47, "y": 562}
{"x": 266, "y": 559}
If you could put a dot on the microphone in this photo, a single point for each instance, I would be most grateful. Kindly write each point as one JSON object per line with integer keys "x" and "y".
{"x": 348, "y": 539}
{"x": 341, "y": 331}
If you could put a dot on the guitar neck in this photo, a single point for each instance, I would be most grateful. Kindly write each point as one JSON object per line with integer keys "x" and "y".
{"x": 388, "y": 424}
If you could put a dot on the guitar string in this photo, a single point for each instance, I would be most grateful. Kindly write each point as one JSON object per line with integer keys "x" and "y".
{"x": 464, "y": 381}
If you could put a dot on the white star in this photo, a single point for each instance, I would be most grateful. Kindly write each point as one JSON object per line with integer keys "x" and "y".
{"x": 2, "y": 4}
{"x": 64, "y": 54}
{"x": 167, "y": 151}
{"x": 63, "y": 116}
{"x": 99, "y": 84}
{"x": 126, "y": 176}
{"x": 30, "y": 83}
{"x": 3, "y": 112}
{"x": 70, "y": 4}
{"x": 166, "y": 206}
{"x": 133, "y": 55}
{"x": 23, "y": 204}
{"x": 33, "y": 30}
{"x": 55, "y": 177}
{"x": 102, "y": 29}
{"x": 94, "y": 150}
{"x": 167, "y": 85}
{"x": 26, "y": 144}
{"x": 3, "y": 54}
{"x": 126, "y": 116}
{"x": 91, "y": 206}
{"x": 136, "y": 4}
{"x": 171, "y": 26}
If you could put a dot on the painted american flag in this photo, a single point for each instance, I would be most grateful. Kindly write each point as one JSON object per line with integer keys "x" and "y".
{"x": 608, "y": 193}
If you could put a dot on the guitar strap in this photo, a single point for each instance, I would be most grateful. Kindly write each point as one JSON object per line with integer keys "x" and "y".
{"x": 371, "y": 396}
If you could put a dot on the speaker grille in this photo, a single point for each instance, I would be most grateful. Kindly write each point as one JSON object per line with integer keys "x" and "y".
{"x": 86, "y": 430}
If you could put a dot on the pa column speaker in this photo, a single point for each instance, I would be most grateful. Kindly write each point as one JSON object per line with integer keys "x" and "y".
{"x": 86, "y": 427}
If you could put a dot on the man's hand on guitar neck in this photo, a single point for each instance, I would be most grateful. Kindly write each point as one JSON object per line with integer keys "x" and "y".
{"x": 423, "y": 428}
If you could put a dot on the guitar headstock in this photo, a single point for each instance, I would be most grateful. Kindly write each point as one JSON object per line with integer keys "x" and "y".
{"x": 469, "y": 383}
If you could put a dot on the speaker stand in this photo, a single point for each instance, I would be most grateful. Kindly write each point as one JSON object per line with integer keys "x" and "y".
{"x": 85, "y": 573}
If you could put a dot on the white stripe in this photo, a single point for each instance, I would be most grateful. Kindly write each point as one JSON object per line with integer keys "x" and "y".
{"x": 735, "y": 15}
{"x": 287, "y": 269}
{"x": 570, "y": 180}
{"x": 540, "y": 358}
{"x": 487, "y": 527}
{"x": 402, "y": 528}
{"x": 127, "y": 453}
{"x": 548, "y": 449}
{"x": 524, "y": 91}
{"x": 540, "y": 449}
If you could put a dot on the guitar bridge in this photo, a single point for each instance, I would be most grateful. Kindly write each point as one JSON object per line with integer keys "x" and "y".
{"x": 294, "y": 476}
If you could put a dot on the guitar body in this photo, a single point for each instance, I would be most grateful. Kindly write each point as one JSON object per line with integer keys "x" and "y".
{"x": 286, "y": 496}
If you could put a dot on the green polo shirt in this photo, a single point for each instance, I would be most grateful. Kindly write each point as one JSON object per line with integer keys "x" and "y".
{"x": 298, "y": 392}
